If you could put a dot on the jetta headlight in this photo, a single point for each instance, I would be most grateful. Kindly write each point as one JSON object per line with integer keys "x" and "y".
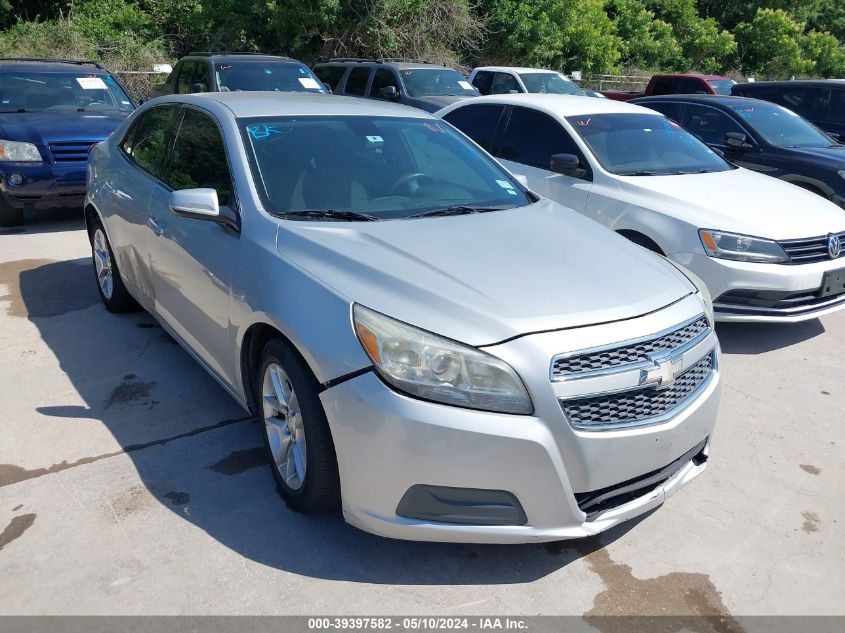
{"x": 19, "y": 152}
{"x": 434, "y": 368}
{"x": 743, "y": 248}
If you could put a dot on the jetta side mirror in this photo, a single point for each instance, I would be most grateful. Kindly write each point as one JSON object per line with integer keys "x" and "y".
{"x": 202, "y": 204}
{"x": 738, "y": 142}
{"x": 389, "y": 92}
{"x": 567, "y": 165}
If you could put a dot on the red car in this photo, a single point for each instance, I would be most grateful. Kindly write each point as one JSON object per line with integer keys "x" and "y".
{"x": 678, "y": 84}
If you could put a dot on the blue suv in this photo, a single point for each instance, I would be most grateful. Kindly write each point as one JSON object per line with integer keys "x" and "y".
{"x": 51, "y": 113}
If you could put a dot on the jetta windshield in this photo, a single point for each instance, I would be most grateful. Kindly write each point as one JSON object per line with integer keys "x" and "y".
{"x": 363, "y": 168}
{"x": 782, "y": 127}
{"x": 549, "y": 83}
{"x": 645, "y": 145}
{"x": 32, "y": 92}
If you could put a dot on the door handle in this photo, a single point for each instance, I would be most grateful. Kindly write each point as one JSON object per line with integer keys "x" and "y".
{"x": 157, "y": 228}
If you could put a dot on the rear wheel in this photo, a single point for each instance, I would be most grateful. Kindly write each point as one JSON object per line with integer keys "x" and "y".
{"x": 10, "y": 216}
{"x": 112, "y": 291}
{"x": 296, "y": 433}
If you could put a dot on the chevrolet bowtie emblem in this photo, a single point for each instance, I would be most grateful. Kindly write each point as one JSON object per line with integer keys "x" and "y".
{"x": 664, "y": 372}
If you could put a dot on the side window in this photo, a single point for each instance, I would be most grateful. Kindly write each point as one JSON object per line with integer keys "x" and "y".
{"x": 672, "y": 110}
{"x": 382, "y": 79}
{"x": 532, "y": 137}
{"x": 356, "y": 82}
{"x": 836, "y": 106}
{"x": 665, "y": 86}
{"x": 149, "y": 138}
{"x": 709, "y": 125}
{"x": 186, "y": 75}
{"x": 199, "y": 157}
{"x": 482, "y": 81}
{"x": 330, "y": 75}
{"x": 479, "y": 122}
{"x": 503, "y": 83}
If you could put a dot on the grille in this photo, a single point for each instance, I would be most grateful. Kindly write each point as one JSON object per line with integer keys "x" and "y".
{"x": 70, "y": 151}
{"x": 638, "y": 405}
{"x": 628, "y": 354}
{"x": 765, "y": 302}
{"x": 809, "y": 250}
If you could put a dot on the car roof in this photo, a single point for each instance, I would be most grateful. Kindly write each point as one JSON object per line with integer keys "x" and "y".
{"x": 265, "y": 104}
{"x": 52, "y": 66}
{"x": 239, "y": 57}
{"x": 515, "y": 69}
{"x": 725, "y": 101}
{"x": 793, "y": 82}
{"x": 692, "y": 75}
{"x": 382, "y": 62}
{"x": 561, "y": 105}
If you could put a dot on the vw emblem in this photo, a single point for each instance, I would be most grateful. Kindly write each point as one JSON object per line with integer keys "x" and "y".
{"x": 834, "y": 246}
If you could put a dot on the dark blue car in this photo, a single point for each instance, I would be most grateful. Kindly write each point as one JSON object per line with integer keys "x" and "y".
{"x": 51, "y": 113}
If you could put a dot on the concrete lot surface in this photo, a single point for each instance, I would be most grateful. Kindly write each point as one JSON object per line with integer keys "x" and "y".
{"x": 130, "y": 483}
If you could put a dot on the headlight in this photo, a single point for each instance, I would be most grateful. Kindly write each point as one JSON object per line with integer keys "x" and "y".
{"x": 19, "y": 152}
{"x": 434, "y": 368}
{"x": 743, "y": 248}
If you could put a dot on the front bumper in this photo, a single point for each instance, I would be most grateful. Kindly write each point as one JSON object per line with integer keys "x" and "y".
{"x": 44, "y": 186}
{"x": 386, "y": 443}
{"x": 744, "y": 291}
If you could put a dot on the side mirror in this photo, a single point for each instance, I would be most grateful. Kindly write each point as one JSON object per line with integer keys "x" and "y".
{"x": 522, "y": 180}
{"x": 738, "y": 142}
{"x": 142, "y": 101}
{"x": 836, "y": 136}
{"x": 389, "y": 92}
{"x": 202, "y": 204}
{"x": 328, "y": 87}
{"x": 198, "y": 88}
{"x": 567, "y": 165}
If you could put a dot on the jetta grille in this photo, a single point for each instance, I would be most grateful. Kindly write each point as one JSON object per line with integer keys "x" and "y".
{"x": 810, "y": 250}
{"x": 70, "y": 151}
{"x": 569, "y": 367}
{"x": 640, "y": 405}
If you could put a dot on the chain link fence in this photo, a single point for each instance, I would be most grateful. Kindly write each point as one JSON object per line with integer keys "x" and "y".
{"x": 140, "y": 82}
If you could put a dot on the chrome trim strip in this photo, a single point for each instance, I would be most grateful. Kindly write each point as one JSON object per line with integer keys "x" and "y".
{"x": 778, "y": 311}
{"x": 654, "y": 420}
{"x": 618, "y": 369}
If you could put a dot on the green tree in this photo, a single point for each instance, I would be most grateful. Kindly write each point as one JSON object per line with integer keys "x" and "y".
{"x": 770, "y": 45}
{"x": 826, "y": 52}
{"x": 645, "y": 40}
{"x": 705, "y": 46}
{"x": 559, "y": 34}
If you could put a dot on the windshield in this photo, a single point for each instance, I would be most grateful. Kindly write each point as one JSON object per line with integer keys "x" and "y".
{"x": 645, "y": 145}
{"x": 431, "y": 82}
{"x": 721, "y": 86}
{"x": 36, "y": 91}
{"x": 781, "y": 127}
{"x": 266, "y": 76}
{"x": 549, "y": 83}
{"x": 382, "y": 167}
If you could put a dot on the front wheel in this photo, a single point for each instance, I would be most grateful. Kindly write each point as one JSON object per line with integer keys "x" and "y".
{"x": 296, "y": 433}
{"x": 114, "y": 294}
{"x": 9, "y": 215}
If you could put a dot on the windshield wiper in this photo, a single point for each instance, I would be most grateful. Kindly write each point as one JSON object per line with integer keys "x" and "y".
{"x": 458, "y": 209}
{"x": 332, "y": 214}
{"x": 642, "y": 173}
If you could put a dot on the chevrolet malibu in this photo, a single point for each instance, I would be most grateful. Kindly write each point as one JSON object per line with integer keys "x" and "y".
{"x": 425, "y": 342}
{"x": 767, "y": 250}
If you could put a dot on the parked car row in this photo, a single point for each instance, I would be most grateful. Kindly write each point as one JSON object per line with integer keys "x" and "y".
{"x": 424, "y": 311}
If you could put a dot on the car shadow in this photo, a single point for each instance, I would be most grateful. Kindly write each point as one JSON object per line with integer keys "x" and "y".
{"x": 213, "y": 474}
{"x": 759, "y": 338}
{"x": 48, "y": 221}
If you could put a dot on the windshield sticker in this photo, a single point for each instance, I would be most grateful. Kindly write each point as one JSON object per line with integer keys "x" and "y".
{"x": 91, "y": 83}
{"x": 261, "y": 131}
{"x": 504, "y": 184}
{"x": 584, "y": 122}
{"x": 375, "y": 140}
{"x": 308, "y": 82}
{"x": 434, "y": 127}
{"x": 466, "y": 85}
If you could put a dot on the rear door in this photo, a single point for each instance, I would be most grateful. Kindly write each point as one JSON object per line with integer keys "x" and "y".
{"x": 193, "y": 259}
{"x": 832, "y": 116}
{"x": 356, "y": 81}
{"x": 529, "y": 140}
{"x": 129, "y": 183}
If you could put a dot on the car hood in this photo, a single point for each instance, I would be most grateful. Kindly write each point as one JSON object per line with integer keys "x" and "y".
{"x": 833, "y": 155}
{"x": 740, "y": 201}
{"x": 434, "y": 103}
{"x": 48, "y": 126}
{"x": 484, "y": 278}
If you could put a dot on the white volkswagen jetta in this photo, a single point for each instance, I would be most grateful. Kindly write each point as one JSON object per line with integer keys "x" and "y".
{"x": 767, "y": 250}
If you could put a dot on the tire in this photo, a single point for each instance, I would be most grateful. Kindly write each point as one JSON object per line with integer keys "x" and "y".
{"x": 9, "y": 215}
{"x": 307, "y": 480}
{"x": 113, "y": 293}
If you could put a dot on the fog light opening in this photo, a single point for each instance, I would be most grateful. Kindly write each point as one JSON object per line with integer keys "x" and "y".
{"x": 15, "y": 179}
{"x": 467, "y": 506}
